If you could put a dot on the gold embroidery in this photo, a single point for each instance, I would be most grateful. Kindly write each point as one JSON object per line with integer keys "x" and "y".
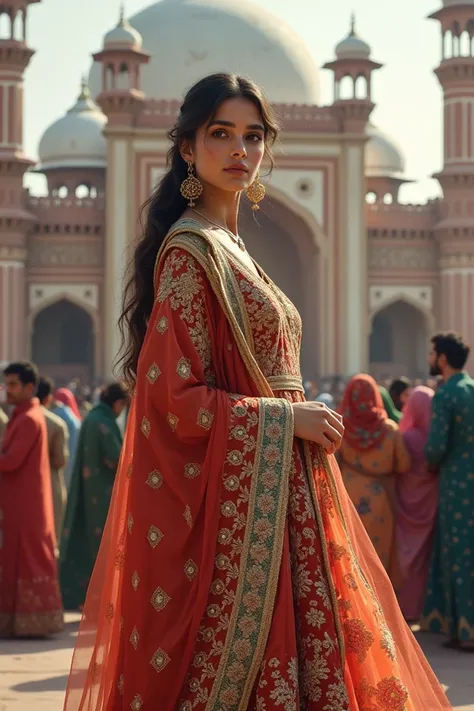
{"x": 172, "y": 420}
{"x": 154, "y": 536}
{"x": 135, "y": 581}
{"x": 120, "y": 559}
{"x": 130, "y": 522}
{"x": 159, "y": 660}
{"x": 205, "y": 419}
{"x": 188, "y": 517}
{"x": 359, "y": 639}
{"x": 159, "y": 599}
{"x": 153, "y": 373}
{"x": 145, "y": 427}
{"x": 155, "y": 479}
{"x": 137, "y": 703}
{"x": 191, "y": 471}
{"x": 129, "y": 471}
{"x": 190, "y": 569}
{"x": 184, "y": 368}
{"x": 109, "y": 611}
{"x": 120, "y": 685}
{"x": 134, "y": 638}
{"x": 162, "y": 324}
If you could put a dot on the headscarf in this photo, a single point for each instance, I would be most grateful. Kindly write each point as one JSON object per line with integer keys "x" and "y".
{"x": 392, "y": 412}
{"x": 67, "y": 398}
{"x": 326, "y": 398}
{"x": 363, "y": 412}
{"x": 416, "y": 420}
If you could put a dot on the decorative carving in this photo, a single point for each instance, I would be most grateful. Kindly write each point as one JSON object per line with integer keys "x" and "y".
{"x": 44, "y": 254}
{"x": 457, "y": 261}
{"x": 382, "y": 296}
{"x": 13, "y": 253}
{"x": 382, "y": 257}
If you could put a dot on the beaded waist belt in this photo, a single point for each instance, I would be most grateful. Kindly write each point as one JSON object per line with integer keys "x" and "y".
{"x": 285, "y": 382}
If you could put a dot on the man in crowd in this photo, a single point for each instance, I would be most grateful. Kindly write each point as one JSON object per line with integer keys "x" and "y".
{"x": 58, "y": 452}
{"x": 97, "y": 457}
{"x": 30, "y": 600}
{"x": 3, "y": 424}
{"x": 449, "y": 605}
{"x": 400, "y": 390}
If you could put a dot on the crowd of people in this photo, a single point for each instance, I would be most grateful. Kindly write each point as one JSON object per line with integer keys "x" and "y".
{"x": 57, "y": 469}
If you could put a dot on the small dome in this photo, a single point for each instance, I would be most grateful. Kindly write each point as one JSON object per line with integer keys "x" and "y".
{"x": 189, "y": 39}
{"x": 76, "y": 140}
{"x": 124, "y": 36}
{"x": 353, "y": 47}
{"x": 383, "y": 156}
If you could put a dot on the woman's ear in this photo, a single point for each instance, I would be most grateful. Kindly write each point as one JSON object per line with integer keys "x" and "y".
{"x": 186, "y": 151}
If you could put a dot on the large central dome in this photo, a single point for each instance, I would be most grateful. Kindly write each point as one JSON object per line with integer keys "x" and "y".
{"x": 189, "y": 39}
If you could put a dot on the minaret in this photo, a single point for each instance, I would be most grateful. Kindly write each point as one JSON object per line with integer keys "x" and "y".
{"x": 122, "y": 101}
{"x": 455, "y": 232}
{"x": 352, "y": 106}
{"x": 15, "y": 220}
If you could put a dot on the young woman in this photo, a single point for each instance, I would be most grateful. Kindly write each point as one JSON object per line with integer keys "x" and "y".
{"x": 227, "y": 578}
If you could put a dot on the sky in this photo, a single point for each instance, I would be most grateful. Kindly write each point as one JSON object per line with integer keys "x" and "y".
{"x": 408, "y": 98}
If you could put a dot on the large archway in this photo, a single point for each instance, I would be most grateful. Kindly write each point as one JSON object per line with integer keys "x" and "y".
{"x": 285, "y": 246}
{"x": 62, "y": 342}
{"x": 399, "y": 341}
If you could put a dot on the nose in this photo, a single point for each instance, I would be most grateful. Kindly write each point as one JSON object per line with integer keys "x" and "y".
{"x": 238, "y": 149}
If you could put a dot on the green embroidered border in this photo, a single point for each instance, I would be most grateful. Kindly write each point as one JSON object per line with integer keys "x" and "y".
{"x": 229, "y": 693}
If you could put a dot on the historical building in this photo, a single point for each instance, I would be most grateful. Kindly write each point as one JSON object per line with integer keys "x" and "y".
{"x": 370, "y": 276}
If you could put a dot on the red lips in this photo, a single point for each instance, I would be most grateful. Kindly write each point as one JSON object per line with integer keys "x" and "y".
{"x": 237, "y": 166}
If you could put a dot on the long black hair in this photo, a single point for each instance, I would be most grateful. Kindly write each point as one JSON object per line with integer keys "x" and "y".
{"x": 166, "y": 205}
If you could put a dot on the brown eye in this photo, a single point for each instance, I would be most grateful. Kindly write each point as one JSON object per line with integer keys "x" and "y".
{"x": 219, "y": 133}
{"x": 254, "y": 137}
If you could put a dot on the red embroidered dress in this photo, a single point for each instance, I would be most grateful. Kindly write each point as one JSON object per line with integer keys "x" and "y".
{"x": 226, "y": 579}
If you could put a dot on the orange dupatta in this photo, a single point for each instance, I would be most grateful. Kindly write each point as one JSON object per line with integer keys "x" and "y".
{"x": 197, "y": 466}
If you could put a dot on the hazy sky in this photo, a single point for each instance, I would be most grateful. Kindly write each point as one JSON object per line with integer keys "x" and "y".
{"x": 408, "y": 98}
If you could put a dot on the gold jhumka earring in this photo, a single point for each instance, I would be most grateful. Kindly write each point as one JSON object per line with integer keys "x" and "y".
{"x": 256, "y": 192}
{"x": 191, "y": 188}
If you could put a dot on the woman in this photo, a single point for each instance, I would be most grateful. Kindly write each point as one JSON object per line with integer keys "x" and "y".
{"x": 371, "y": 454}
{"x": 67, "y": 397}
{"x": 226, "y": 578}
{"x": 392, "y": 412}
{"x": 417, "y": 504}
{"x": 73, "y": 424}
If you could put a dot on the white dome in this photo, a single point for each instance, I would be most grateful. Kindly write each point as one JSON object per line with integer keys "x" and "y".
{"x": 189, "y": 39}
{"x": 352, "y": 46}
{"x": 124, "y": 36}
{"x": 76, "y": 140}
{"x": 383, "y": 156}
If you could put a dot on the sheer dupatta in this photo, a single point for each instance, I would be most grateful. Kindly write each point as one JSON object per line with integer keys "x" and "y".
{"x": 197, "y": 527}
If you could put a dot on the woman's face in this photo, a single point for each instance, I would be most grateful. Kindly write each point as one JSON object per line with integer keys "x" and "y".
{"x": 227, "y": 153}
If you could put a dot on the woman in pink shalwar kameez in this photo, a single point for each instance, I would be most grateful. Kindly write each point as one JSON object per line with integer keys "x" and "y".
{"x": 417, "y": 502}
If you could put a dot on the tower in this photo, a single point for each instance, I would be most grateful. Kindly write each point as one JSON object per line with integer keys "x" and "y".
{"x": 15, "y": 219}
{"x": 352, "y": 107}
{"x": 455, "y": 231}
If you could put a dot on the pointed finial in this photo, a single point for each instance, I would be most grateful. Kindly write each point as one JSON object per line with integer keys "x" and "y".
{"x": 122, "y": 14}
{"x": 85, "y": 93}
{"x": 353, "y": 24}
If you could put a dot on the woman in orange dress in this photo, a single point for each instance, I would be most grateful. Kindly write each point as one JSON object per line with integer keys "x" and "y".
{"x": 371, "y": 455}
{"x": 233, "y": 573}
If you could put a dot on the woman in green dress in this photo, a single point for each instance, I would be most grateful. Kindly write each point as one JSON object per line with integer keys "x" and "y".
{"x": 392, "y": 412}
{"x": 97, "y": 458}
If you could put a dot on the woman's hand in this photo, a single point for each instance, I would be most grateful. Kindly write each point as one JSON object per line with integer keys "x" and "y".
{"x": 317, "y": 423}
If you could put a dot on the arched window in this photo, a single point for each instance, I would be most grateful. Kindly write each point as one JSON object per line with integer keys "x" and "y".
{"x": 110, "y": 78}
{"x": 5, "y": 26}
{"x": 361, "y": 87}
{"x": 346, "y": 88}
{"x": 123, "y": 78}
{"x": 17, "y": 27}
{"x": 63, "y": 191}
{"x": 371, "y": 197}
{"x": 93, "y": 191}
{"x": 388, "y": 198}
{"x": 82, "y": 191}
{"x": 465, "y": 44}
{"x": 447, "y": 45}
{"x": 381, "y": 340}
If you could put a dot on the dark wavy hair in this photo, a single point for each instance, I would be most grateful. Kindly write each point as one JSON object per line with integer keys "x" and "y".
{"x": 166, "y": 205}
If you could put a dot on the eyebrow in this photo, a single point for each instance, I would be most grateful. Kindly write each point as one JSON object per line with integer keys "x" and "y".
{"x": 254, "y": 126}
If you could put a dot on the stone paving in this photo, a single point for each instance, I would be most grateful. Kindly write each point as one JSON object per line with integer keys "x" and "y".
{"x": 33, "y": 674}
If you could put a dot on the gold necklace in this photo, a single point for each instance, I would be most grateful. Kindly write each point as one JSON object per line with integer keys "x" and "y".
{"x": 235, "y": 238}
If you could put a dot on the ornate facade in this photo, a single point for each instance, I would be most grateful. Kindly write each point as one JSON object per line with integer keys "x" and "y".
{"x": 371, "y": 277}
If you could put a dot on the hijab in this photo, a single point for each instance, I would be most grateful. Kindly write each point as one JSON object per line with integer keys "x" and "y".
{"x": 416, "y": 419}
{"x": 67, "y": 398}
{"x": 364, "y": 414}
{"x": 392, "y": 412}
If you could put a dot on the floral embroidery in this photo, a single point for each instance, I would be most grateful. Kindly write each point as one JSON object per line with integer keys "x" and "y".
{"x": 135, "y": 581}
{"x": 162, "y": 324}
{"x": 145, "y": 427}
{"x": 154, "y": 536}
{"x": 172, "y": 421}
{"x": 134, "y": 638}
{"x": 358, "y": 638}
{"x": 184, "y": 368}
{"x": 205, "y": 419}
{"x": 130, "y": 522}
{"x": 188, "y": 517}
{"x": 191, "y": 471}
{"x": 120, "y": 685}
{"x": 137, "y": 703}
{"x": 159, "y": 599}
{"x": 109, "y": 611}
{"x": 155, "y": 480}
{"x": 389, "y": 694}
{"x": 190, "y": 569}
{"x": 159, "y": 660}
{"x": 153, "y": 373}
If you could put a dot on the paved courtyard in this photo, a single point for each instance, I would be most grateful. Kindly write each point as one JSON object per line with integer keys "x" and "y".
{"x": 33, "y": 674}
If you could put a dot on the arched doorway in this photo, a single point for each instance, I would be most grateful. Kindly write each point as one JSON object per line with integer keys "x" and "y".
{"x": 399, "y": 342}
{"x": 284, "y": 245}
{"x": 63, "y": 342}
